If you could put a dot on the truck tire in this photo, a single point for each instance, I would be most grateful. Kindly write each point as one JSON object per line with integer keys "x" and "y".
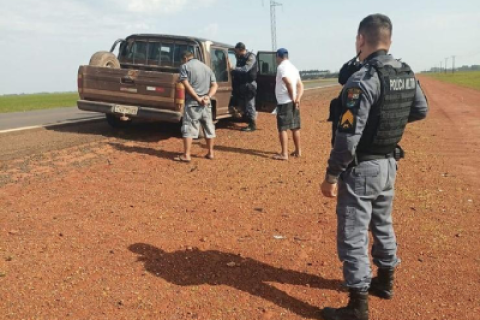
{"x": 104, "y": 59}
{"x": 116, "y": 123}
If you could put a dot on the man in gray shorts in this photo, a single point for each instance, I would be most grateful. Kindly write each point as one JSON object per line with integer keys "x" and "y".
{"x": 288, "y": 91}
{"x": 200, "y": 85}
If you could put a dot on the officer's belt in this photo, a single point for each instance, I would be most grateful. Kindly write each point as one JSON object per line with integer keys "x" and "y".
{"x": 368, "y": 157}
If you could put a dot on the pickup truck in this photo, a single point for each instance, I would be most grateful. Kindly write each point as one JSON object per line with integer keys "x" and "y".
{"x": 142, "y": 82}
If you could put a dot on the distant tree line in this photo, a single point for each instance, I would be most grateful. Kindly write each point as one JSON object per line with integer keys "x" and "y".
{"x": 314, "y": 74}
{"x": 474, "y": 67}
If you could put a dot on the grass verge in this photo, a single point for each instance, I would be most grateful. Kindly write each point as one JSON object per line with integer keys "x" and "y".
{"x": 30, "y": 102}
{"x": 465, "y": 79}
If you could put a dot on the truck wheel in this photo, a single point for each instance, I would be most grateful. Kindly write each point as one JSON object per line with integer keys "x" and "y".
{"x": 104, "y": 59}
{"x": 116, "y": 123}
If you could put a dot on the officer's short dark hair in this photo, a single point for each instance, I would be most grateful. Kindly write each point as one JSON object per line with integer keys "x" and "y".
{"x": 186, "y": 54}
{"x": 240, "y": 46}
{"x": 376, "y": 28}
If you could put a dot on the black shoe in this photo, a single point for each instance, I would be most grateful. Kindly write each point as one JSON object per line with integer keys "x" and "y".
{"x": 357, "y": 308}
{"x": 252, "y": 126}
{"x": 382, "y": 284}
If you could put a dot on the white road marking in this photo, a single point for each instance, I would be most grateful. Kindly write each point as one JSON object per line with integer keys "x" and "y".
{"x": 50, "y": 125}
{"x": 316, "y": 88}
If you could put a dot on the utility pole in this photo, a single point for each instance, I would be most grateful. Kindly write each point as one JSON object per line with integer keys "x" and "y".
{"x": 453, "y": 64}
{"x": 273, "y": 21}
{"x": 446, "y": 62}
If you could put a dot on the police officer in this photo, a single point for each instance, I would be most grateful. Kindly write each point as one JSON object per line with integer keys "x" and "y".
{"x": 377, "y": 103}
{"x": 245, "y": 85}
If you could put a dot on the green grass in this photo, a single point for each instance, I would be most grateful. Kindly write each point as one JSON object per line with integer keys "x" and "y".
{"x": 318, "y": 82}
{"x": 465, "y": 79}
{"x": 322, "y": 80}
{"x": 29, "y": 102}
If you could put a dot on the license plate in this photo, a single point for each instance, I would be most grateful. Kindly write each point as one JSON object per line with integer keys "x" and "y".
{"x": 126, "y": 110}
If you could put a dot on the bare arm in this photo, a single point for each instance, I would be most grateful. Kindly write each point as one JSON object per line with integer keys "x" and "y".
{"x": 289, "y": 85}
{"x": 191, "y": 91}
{"x": 211, "y": 93}
{"x": 213, "y": 89}
{"x": 300, "y": 90}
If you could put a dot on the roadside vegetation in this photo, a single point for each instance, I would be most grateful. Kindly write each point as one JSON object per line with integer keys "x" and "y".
{"x": 30, "y": 102}
{"x": 41, "y": 101}
{"x": 470, "y": 79}
{"x": 322, "y": 80}
{"x": 313, "y": 83}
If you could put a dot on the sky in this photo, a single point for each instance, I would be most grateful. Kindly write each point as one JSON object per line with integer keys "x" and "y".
{"x": 42, "y": 43}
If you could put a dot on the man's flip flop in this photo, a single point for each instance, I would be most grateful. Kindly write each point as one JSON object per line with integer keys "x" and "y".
{"x": 279, "y": 157}
{"x": 209, "y": 157}
{"x": 294, "y": 154}
{"x": 181, "y": 159}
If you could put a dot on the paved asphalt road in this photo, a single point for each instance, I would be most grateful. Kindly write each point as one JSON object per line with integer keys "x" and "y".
{"x": 43, "y": 117}
{"x": 10, "y": 121}
{"x": 21, "y": 144}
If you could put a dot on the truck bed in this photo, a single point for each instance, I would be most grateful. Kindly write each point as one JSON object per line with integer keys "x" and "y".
{"x": 136, "y": 93}
{"x": 130, "y": 87}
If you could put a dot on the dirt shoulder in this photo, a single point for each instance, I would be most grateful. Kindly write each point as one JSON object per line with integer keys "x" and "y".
{"x": 111, "y": 228}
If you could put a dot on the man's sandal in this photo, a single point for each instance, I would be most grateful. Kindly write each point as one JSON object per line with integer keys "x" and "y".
{"x": 181, "y": 159}
{"x": 279, "y": 157}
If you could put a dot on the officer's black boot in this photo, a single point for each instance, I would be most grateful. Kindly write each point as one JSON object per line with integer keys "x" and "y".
{"x": 382, "y": 284}
{"x": 252, "y": 126}
{"x": 357, "y": 308}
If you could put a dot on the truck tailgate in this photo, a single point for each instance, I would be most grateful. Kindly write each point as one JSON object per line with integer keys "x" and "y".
{"x": 129, "y": 87}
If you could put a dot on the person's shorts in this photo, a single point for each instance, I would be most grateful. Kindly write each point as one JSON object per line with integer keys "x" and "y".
{"x": 288, "y": 117}
{"x": 193, "y": 117}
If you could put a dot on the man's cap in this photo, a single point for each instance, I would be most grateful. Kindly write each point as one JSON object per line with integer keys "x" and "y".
{"x": 282, "y": 52}
{"x": 240, "y": 46}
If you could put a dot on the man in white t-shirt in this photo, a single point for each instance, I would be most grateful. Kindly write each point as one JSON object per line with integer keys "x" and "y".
{"x": 289, "y": 91}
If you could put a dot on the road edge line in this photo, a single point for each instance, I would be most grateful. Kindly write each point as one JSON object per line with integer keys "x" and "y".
{"x": 329, "y": 86}
{"x": 49, "y": 125}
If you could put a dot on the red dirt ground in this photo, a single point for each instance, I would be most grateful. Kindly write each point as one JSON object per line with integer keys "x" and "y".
{"x": 113, "y": 229}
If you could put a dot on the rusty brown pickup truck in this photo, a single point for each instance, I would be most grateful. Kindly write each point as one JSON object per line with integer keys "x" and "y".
{"x": 142, "y": 81}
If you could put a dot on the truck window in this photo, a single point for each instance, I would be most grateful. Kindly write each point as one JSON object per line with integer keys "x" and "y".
{"x": 166, "y": 54}
{"x": 134, "y": 52}
{"x": 139, "y": 52}
{"x": 219, "y": 64}
{"x": 154, "y": 53}
{"x": 267, "y": 63}
{"x": 179, "y": 49}
{"x": 232, "y": 58}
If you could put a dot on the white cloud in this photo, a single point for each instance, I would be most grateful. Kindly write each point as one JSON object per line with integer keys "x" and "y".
{"x": 60, "y": 35}
{"x": 163, "y": 6}
{"x": 210, "y": 31}
{"x": 88, "y": 18}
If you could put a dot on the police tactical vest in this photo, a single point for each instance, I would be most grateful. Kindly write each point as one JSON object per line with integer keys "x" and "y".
{"x": 389, "y": 116}
{"x": 252, "y": 74}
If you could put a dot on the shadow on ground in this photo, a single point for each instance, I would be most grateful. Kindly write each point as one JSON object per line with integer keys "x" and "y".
{"x": 137, "y": 131}
{"x": 145, "y": 151}
{"x": 195, "y": 267}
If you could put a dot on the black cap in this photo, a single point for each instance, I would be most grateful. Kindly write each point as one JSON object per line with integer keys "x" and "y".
{"x": 240, "y": 46}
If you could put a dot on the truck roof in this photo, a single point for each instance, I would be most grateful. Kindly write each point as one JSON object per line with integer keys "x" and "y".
{"x": 173, "y": 37}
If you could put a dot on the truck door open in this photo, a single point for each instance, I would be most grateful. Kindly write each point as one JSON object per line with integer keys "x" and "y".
{"x": 267, "y": 64}
{"x": 219, "y": 66}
